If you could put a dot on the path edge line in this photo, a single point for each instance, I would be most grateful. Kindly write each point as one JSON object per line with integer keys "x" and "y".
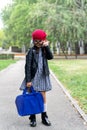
{"x": 73, "y": 101}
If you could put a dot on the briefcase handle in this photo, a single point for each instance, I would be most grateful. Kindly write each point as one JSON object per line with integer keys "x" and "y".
{"x": 26, "y": 90}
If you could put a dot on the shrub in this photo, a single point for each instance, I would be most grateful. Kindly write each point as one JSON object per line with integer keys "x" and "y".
{"x": 6, "y": 56}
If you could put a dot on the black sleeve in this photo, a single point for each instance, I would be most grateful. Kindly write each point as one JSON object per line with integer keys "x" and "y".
{"x": 48, "y": 53}
{"x": 28, "y": 66}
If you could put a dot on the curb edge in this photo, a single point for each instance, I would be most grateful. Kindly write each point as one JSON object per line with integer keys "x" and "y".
{"x": 73, "y": 101}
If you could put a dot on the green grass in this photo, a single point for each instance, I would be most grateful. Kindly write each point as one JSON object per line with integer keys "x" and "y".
{"x": 73, "y": 75}
{"x": 5, "y": 63}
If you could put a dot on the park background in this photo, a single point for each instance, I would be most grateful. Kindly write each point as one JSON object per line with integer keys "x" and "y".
{"x": 65, "y": 22}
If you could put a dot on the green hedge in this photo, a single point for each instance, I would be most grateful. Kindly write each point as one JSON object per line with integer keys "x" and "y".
{"x": 6, "y": 56}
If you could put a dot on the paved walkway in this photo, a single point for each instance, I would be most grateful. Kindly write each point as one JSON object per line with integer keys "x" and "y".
{"x": 61, "y": 113}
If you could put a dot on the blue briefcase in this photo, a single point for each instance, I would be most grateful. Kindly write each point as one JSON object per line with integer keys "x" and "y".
{"x": 29, "y": 103}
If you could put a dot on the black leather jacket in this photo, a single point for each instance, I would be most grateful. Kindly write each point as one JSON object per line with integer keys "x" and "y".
{"x": 32, "y": 64}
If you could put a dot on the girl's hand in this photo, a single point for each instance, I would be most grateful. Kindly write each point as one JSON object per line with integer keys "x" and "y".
{"x": 45, "y": 43}
{"x": 29, "y": 84}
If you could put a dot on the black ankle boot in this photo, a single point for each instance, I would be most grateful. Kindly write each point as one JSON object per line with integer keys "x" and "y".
{"x": 32, "y": 119}
{"x": 45, "y": 120}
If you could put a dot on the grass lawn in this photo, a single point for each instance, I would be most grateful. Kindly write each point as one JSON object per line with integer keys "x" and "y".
{"x": 73, "y": 75}
{"x": 6, "y": 63}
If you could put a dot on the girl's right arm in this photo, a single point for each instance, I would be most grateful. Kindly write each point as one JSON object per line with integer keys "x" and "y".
{"x": 28, "y": 67}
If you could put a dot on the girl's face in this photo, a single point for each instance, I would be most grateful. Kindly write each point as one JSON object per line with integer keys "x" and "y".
{"x": 38, "y": 43}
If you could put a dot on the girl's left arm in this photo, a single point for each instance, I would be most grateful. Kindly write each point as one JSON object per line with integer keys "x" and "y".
{"x": 48, "y": 53}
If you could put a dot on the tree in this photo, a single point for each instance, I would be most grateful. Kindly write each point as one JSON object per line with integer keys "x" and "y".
{"x": 2, "y": 36}
{"x": 63, "y": 20}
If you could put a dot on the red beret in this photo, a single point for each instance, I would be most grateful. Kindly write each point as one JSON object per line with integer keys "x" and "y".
{"x": 39, "y": 35}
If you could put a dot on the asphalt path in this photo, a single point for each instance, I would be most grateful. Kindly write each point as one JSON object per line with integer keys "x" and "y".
{"x": 62, "y": 114}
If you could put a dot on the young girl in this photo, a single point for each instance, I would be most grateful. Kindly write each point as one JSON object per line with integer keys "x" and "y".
{"x": 37, "y": 71}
